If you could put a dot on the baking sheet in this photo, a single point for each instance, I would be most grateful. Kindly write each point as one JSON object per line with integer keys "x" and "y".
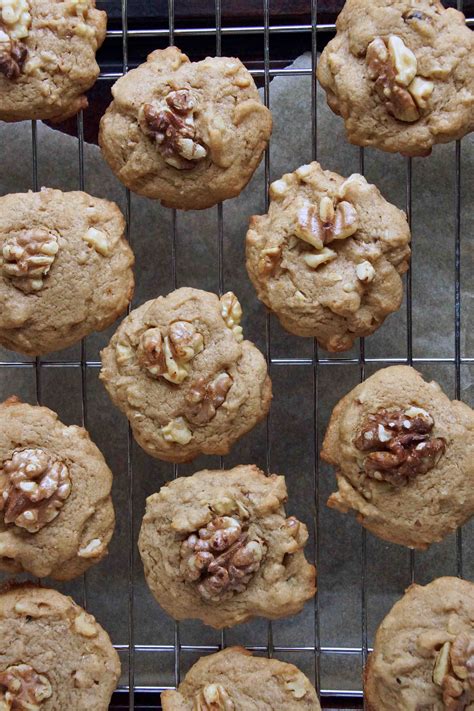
{"x": 336, "y": 620}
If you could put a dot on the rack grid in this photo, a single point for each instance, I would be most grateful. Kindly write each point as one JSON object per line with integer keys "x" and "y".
{"x": 316, "y": 362}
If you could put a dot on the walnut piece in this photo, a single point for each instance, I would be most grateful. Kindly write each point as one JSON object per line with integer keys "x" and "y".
{"x": 13, "y": 55}
{"x": 16, "y": 18}
{"x": 399, "y": 445}
{"x": 23, "y": 689}
{"x": 221, "y": 558}
{"x": 231, "y": 311}
{"x": 98, "y": 240}
{"x": 213, "y": 697}
{"x": 393, "y": 67}
{"x": 454, "y": 672}
{"x": 204, "y": 398}
{"x": 269, "y": 260}
{"x": 169, "y": 357}
{"x": 33, "y": 488}
{"x": 27, "y": 258}
{"x": 172, "y": 125}
{"x": 177, "y": 431}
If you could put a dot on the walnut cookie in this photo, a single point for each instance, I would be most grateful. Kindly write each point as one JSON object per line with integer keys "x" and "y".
{"x": 179, "y": 369}
{"x": 423, "y": 654}
{"x": 65, "y": 269}
{"x": 328, "y": 256}
{"x": 217, "y": 546}
{"x": 404, "y": 455}
{"x": 401, "y": 74}
{"x": 56, "y": 513}
{"x": 233, "y": 679}
{"x": 54, "y": 655}
{"x": 47, "y": 57}
{"x": 190, "y": 134}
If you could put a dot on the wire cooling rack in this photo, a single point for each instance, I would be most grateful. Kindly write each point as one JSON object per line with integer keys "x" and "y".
{"x": 132, "y": 693}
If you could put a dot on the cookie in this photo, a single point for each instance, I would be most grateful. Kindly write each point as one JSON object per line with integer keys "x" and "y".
{"x": 65, "y": 269}
{"x": 190, "y": 134}
{"x": 54, "y": 655}
{"x": 233, "y": 679}
{"x": 47, "y": 57}
{"x": 423, "y": 654}
{"x": 179, "y": 369}
{"x": 405, "y": 457}
{"x": 56, "y": 513}
{"x": 328, "y": 255}
{"x": 401, "y": 74}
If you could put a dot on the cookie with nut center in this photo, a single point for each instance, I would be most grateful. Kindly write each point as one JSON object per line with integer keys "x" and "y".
{"x": 47, "y": 57}
{"x": 218, "y": 546}
{"x": 56, "y": 513}
{"x": 191, "y": 134}
{"x": 54, "y": 654}
{"x": 401, "y": 75}
{"x": 181, "y": 371}
{"x": 65, "y": 269}
{"x": 328, "y": 256}
{"x": 226, "y": 681}
{"x": 424, "y": 650}
{"x": 403, "y": 454}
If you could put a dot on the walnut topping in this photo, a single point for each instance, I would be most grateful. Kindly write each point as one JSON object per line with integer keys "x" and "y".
{"x": 365, "y": 271}
{"x": 269, "y": 259}
{"x": 231, "y": 311}
{"x": 23, "y": 689}
{"x": 296, "y": 687}
{"x": 28, "y": 257}
{"x": 399, "y": 445}
{"x": 169, "y": 357}
{"x": 204, "y": 398}
{"x": 393, "y": 67}
{"x": 213, "y": 697}
{"x": 454, "y": 672}
{"x": 85, "y": 625}
{"x": 98, "y": 240}
{"x": 33, "y": 488}
{"x": 177, "y": 431}
{"x": 13, "y": 55}
{"x": 15, "y": 16}
{"x": 172, "y": 125}
{"x": 221, "y": 558}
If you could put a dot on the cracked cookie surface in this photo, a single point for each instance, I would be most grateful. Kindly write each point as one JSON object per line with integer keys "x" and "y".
{"x": 423, "y": 654}
{"x": 65, "y": 269}
{"x": 401, "y": 74}
{"x": 56, "y": 512}
{"x": 328, "y": 256}
{"x": 404, "y": 457}
{"x": 219, "y": 547}
{"x": 47, "y": 57}
{"x": 54, "y": 655}
{"x": 234, "y": 679}
{"x": 179, "y": 369}
{"x": 190, "y": 134}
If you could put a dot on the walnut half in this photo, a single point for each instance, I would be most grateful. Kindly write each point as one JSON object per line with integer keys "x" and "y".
{"x": 33, "y": 488}
{"x": 23, "y": 689}
{"x": 204, "y": 398}
{"x": 27, "y": 258}
{"x": 13, "y": 55}
{"x": 168, "y": 356}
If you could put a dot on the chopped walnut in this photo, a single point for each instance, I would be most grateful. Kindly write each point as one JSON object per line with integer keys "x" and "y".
{"x": 213, "y": 697}
{"x": 168, "y": 357}
{"x": 399, "y": 445}
{"x": 16, "y": 18}
{"x": 13, "y": 55}
{"x": 393, "y": 68}
{"x": 269, "y": 259}
{"x": 172, "y": 125}
{"x": 221, "y": 558}
{"x": 204, "y": 398}
{"x": 454, "y": 672}
{"x": 27, "y": 258}
{"x": 231, "y": 311}
{"x": 33, "y": 488}
{"x": 177, "y": 431}
{"x": 23, "y": 689}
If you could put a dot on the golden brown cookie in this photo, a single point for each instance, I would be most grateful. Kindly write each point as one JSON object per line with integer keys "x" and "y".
{"x": 423, "y": 654}
{"x": 217, "y": 546}
{"x": 401, "y": 74}
{"x": 179, "y": 369}
{"x": 54, "y": 655}
{"x": 404, "y": 455}
{"x": 328, "y": 255}
{"x": 65, "y": 269}
{"x": 47, "y": 57}
{"x": 187, "y": 133}
{"x": 56, "y": 513}
{"x": 233, "y": 679}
